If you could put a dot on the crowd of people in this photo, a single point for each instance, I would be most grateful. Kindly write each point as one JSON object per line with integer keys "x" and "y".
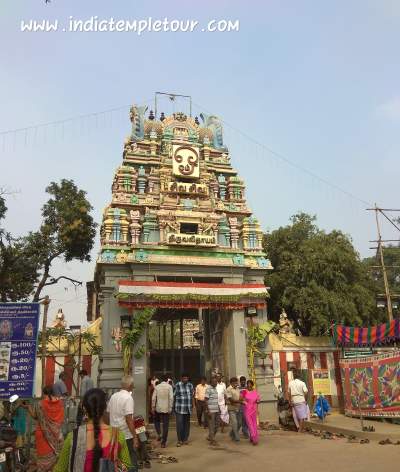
{"x": 217, "y": 406}
{"x": 107, "y": 429}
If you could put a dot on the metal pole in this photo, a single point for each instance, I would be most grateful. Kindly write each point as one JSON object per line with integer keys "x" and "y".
{"x": 164, "y": 347}
{"x": 385, "y": 279}
{"x": 172, "y": 351}
{"x": 46, "y": 303}
{"x": 181, "y": 343}
{"x": 201, "y": 330}
{"x": 79, "y": 362}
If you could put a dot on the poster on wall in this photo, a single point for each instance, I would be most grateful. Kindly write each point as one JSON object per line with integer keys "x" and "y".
{"x": 321, "y": 382}
{"x": 18, "y": 347}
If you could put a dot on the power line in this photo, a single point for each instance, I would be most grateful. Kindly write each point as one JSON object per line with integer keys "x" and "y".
{"x": 69, "y": 119}
{"x": 277, "y": 155}
{"x": 290, "y": 162}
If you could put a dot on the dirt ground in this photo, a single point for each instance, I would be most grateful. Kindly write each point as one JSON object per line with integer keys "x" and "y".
{"x": 278, "y": 451}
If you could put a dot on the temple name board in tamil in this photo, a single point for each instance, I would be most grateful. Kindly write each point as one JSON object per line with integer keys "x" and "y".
{"x": 191, "y": 239}
{"x": 18, "y": 346}
{"x": 187, "y": 187}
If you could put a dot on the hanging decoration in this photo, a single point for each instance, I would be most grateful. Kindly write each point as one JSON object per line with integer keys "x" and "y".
{"x": 368, "y": 336}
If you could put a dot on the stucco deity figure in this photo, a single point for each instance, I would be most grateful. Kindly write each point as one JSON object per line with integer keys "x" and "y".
{"x": 116, "y": 334}
{"x": 135, "y": 226}
{"x": 137, "y": 118}
{"x": 214, "y": 124}
{"x": 285, "y": 325}
{"x": 59, "y": 321}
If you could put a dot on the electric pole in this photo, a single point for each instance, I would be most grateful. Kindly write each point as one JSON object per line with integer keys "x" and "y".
{"x": 385, "y": 279}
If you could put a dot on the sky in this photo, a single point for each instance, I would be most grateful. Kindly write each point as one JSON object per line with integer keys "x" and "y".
{"x": 316, "y": 83}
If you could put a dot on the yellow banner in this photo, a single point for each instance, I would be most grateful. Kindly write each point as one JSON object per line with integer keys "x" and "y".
{"x": 321, "y": 381}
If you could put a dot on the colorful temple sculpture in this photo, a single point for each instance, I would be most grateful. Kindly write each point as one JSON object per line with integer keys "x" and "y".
{"x": 179, "y": 236}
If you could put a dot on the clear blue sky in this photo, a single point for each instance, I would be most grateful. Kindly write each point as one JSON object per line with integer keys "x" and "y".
{"x": 315, "y": 81}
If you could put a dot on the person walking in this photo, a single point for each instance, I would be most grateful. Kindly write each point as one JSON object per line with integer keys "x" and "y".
{"x": 85, "y": 446}
{"x": 212, "y": 410}
{"x": 120, "y": 409}
{"x": 200, "y": 402}
{"x": 161, "y": 406}
{"x": 86, "y": 384}
{"x": 251, "y": 399}
{"x": 241, "y": 418}
{"x": 234, "y": 403}
{"x": 223, "y": 410}
{"x": 298, "y": 391}
{"x": 183, "y": 397}
{"x": 49, "y": 415}
{"x": 59, "y": 388}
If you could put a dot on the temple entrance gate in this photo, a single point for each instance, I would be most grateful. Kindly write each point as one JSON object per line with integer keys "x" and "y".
{"x": 174, "y": 344}
{"x": 179, "y": 237}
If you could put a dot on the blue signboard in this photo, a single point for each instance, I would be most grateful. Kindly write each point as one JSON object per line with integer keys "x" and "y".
{"x": 19, "y": 323}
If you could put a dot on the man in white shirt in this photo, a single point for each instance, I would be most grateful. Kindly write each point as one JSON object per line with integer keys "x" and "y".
{"x": 161, "y": 405}
{"x": 121, "y": 408}
{"x": 298, "y": 399}
{"x": 221, "y": 389}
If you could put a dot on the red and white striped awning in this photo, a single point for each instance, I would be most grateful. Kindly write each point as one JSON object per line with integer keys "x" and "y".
{"x": 177, "y": 294}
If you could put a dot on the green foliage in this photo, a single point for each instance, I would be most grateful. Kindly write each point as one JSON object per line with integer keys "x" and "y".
{"x": 18, "y": 268}
{"x": 68, "y": 342}
{"x": 391, "y": 256}
{"x": 67, "y": 230}
{"x": 256, "y": 334}
{"x": 196, "y": 297}
{"x": 62, "y": 339}
{"x": 318, "y": 278}
{"x": 132, "y": 336}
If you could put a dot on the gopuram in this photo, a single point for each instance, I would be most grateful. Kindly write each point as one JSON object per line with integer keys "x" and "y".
{"x": 178, "y": 236}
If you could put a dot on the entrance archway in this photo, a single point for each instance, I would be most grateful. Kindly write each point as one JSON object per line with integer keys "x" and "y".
{"x": 174, "y": 344}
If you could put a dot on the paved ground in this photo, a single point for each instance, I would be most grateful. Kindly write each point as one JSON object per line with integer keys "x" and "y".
{"x": 339, "y": 420}
{"x": 278, "y": 451}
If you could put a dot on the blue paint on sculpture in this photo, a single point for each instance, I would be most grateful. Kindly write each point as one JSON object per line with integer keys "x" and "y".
{"x": 137, "y": 119}
{"x": 141, "y": 256}
{"x": 238, "y": 259}
{"x": 188, "y": 204}
{"x": 263, "y": 263}
{"x": 108, "y": 256}
{"x": 141, "y": 180}
{"x": 214, "y": 124}
{"x": 222, "y": 186}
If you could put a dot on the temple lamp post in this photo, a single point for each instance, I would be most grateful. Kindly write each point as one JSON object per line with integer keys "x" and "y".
{"x": 76, "y": 330}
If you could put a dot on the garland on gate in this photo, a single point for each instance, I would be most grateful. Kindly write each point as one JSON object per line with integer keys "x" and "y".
{"x": 195, "y": 297}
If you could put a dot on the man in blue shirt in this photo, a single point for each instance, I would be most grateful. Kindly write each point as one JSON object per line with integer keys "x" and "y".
{"x": 183, "y": 396}
{"x": 59, "y": 388}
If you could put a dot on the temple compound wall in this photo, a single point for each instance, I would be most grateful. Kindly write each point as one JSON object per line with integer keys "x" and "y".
{"x": 178, "y": 236}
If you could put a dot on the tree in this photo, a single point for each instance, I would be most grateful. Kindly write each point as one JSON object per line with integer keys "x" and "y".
{"x": 391, "y": 256}
{"x": 18, "y": 271}
{"x": 70, "y": 344}
{"x": 318, "y": 278}
{"x": 67, "y": 230}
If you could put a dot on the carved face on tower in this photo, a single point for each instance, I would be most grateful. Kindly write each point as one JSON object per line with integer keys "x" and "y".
{"x": 185, "y": 162}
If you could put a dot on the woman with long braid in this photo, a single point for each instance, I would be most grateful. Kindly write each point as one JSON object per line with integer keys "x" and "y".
{"x": 84, "y": 447}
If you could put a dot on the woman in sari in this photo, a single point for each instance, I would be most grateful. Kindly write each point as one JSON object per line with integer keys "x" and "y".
{"x": 251, "y": 398}
{"x": 84, "y": 448}
{"x": 49, "y": 415}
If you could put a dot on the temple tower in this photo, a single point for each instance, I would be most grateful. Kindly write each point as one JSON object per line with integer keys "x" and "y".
{"x": 178, "y": 236}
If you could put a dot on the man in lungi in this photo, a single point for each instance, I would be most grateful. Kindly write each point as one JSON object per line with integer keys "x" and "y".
{"x": 298, "y": 399}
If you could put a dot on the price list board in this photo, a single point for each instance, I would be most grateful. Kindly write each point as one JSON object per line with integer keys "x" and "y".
{"x": 19, "y": 324}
